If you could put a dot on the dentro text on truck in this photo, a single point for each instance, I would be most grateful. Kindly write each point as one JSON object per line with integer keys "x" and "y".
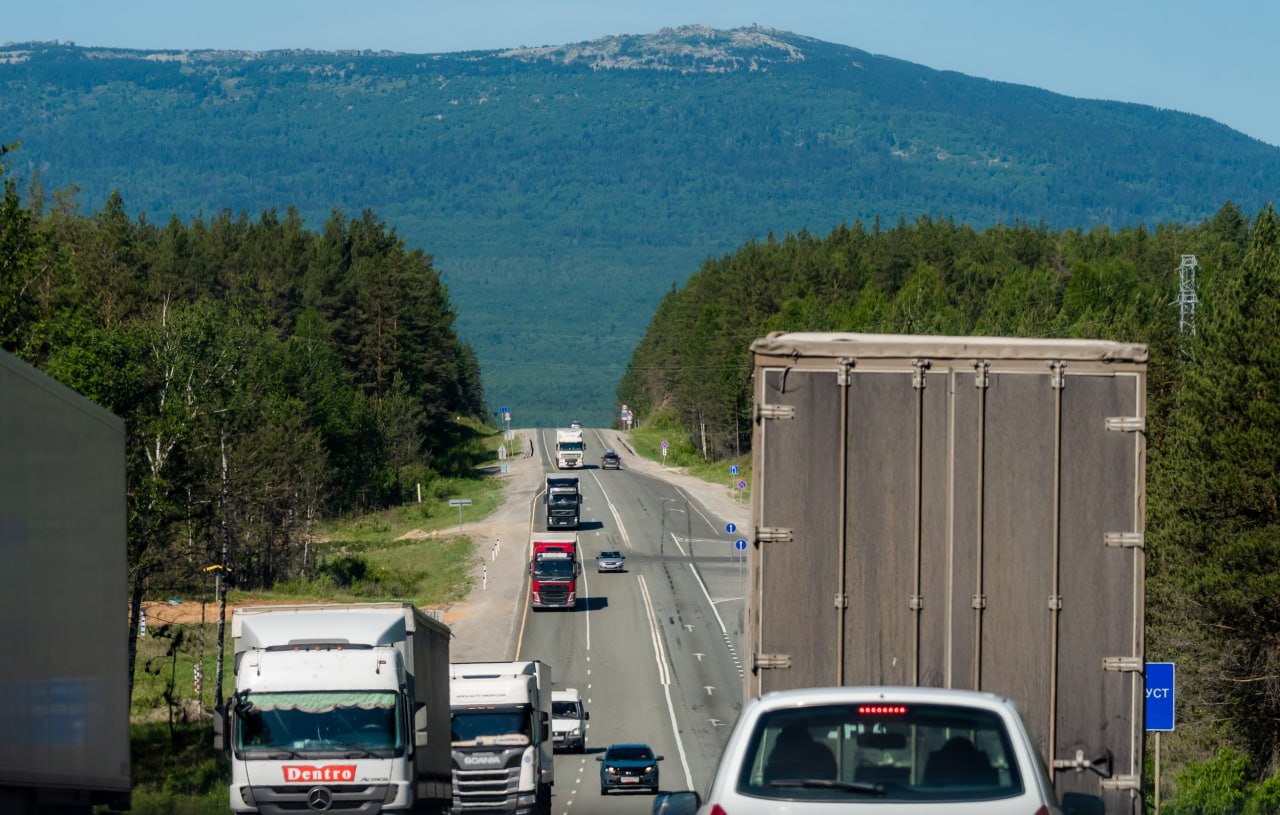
{"x": 503, "y": 760}
{"x": 554, "y": 567}
{"x": 338, "y": 707}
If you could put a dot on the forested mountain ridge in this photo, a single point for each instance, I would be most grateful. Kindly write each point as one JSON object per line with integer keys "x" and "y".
{"x": 562, "y": 189}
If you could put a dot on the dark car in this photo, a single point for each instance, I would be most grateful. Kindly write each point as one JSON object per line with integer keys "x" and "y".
{"x": 610, "y": 461}
{"x": 628, "y": 767}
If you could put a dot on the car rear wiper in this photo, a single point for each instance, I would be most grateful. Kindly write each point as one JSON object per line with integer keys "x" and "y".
{"x": 864, "y": 787}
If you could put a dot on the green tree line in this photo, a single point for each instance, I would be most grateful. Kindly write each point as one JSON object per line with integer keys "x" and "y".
{"x": 268, "y": 376}
{"x": 1213, "y": 506}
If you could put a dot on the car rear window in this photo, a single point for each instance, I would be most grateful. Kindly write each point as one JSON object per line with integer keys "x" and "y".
{"x": 883, "y": 752}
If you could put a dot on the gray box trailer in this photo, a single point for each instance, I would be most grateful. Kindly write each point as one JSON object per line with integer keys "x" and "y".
{"x": 958, "y": 512}
{"x": 64, "y": 697}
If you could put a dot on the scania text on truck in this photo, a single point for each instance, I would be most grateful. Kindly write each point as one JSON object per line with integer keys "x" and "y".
{"x": 958, "y": 512}
{"x": 554, "y": 566}
{"x": 341, "y": 705}
{"x": 502, "y": 741}
{"x": 64, "y": 712}
{"x": 563, "y": 501}
{"x": 569, "y": 448}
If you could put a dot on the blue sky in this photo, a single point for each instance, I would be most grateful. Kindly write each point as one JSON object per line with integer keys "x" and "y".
{"x": 1212, "y": 59}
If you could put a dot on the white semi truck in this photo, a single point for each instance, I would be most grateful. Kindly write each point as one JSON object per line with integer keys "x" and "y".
{"x": 502, "y": 741}
{"x": 570, "y": 448}
{"x": 338, "y": 707}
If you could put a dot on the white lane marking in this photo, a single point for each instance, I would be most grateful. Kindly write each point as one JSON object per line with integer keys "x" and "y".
{"x": 622, "y": 530}
{"x": 710, "y": 602}
{"x": 664, "y": 677}
{"x": 586, "y": 596}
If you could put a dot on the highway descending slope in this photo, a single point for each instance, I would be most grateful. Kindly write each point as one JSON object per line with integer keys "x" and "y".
{"x": 656, "y": 651}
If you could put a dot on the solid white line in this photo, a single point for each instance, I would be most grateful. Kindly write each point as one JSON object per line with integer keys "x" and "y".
{"x": 710, "y": 602}
{"x": 678, "y": 546}
{"x": 622, "y": 530}
{"x": 659, "y": 652}
{"x": 675, "y": 730}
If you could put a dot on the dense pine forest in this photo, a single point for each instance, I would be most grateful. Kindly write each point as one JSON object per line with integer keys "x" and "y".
{"x": 268, "y": 376}
{"x": 1213, "y": 544}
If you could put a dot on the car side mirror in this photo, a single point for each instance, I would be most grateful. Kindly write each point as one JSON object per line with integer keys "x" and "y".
{"x": 600, "y": 759}
{"x": 586, "y": 714}
{"x": 220, "y": 729}
{"x": 420, "y": 725}
{"x": 657, "y": 758}
{"x": 677, "y": 803}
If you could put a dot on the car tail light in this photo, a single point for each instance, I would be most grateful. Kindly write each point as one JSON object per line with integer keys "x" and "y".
{"x": 882, "y": 710}
{"x": 716, "y": 809}
{"x": 1042, "y": 811}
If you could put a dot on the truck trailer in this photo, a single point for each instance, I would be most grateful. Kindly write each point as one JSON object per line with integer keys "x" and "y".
{"x": 338, "y": 707}
{"x": 502, "y": 740}
{"x": 958, "y": 512}
{"x": 64, "y": 692}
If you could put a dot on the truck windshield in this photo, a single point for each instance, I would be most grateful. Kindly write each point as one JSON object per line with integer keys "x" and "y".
{"x": 553, "y": 568}
{"x": 570, "y": 446}
{"x": 565, "y": 499}
{"x": 320, "y": 722}
{"x": 506, "y": 726}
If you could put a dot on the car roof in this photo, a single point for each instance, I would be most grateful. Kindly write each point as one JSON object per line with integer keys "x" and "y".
{"x": 635, "y": 746}
{"x": 880, "y": 693}
{"x": 610, "y": 452}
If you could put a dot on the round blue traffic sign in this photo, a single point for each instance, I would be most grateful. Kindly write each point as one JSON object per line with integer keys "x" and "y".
{"x": 730, "y": 528}
{"x": 740, "y": 544}
{"x": 742, "y": 485}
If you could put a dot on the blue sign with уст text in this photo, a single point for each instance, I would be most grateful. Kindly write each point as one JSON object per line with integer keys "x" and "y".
{"x": 1160, "y": 695}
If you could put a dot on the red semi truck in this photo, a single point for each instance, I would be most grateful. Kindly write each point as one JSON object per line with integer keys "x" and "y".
{"x": 554, "y": 566}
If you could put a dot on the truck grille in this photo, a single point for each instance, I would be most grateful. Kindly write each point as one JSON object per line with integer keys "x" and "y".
{"x": 346, "y": 798}
{"x": 554, "y": 594}
{"x": 476, "y": 790}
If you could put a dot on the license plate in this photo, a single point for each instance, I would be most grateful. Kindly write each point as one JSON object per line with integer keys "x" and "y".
{"x": 626, "y": 780}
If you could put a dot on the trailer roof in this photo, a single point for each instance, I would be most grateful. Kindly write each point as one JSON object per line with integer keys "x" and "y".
{"x": 892, "y": 346}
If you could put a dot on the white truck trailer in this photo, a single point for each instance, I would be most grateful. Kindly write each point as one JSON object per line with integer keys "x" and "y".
{"x": 570, "y": 448}
{"x": 64, "y": 693}
{"x": 502, "y": 741}
{"x": 339, "y": 707}
{"x": 958, "y": 512}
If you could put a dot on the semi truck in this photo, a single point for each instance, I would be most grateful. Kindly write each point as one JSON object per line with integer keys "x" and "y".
{"x": 564, "y": 502}
{"x": 64, "y": 705}
{"x": 958, "y": 512}
{"x": 554, "y": 567}
{"x": 338, "y": 707}
{"x": 502, "y": 741}
{"x": 570, "y": 448}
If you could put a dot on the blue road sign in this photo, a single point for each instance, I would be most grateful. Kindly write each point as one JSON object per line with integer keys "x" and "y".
{"x": 733, "y": 469}
{"x": 740, "y": 544}
{"x": 730, "y": 528}
{"x": 1160, "y": 695}
{"x": 742, "y": 485}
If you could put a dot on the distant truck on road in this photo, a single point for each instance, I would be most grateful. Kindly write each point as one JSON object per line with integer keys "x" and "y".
{"x": 338, "y": 707}
{"x": 564, "y": 502}
{"x": 570, "y": 448}
{"x": 64, "y": 737}
{"x": 554, "y": 565}
{"x": 958, "y": 512}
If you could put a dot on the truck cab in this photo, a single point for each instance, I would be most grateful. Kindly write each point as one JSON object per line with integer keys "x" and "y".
{"x": 564, "y": 502}
{"x": 570, "y": 448}
{"x": 554, "y": 566}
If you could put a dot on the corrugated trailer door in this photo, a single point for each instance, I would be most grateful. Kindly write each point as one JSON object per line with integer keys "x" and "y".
{"x": 791, "y": 617}
{"x": 1099, "y": 706}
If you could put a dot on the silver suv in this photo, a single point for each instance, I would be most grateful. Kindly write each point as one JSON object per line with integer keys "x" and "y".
{"x": 881, "y": 751}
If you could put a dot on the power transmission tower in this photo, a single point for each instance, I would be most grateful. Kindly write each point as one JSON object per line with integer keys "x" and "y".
{"x": 1187, "y": 299}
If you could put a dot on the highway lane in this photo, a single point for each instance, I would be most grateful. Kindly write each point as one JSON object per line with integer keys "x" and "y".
{"x": 654, "y": 650}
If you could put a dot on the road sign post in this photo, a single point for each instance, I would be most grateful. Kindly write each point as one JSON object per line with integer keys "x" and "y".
{"x": 664, "y": 452}
{"x": 459, "y": 503}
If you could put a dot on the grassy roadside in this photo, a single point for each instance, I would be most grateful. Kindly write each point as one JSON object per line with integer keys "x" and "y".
{"x": 413, "y": 553}
{"x": 681, "y": 452}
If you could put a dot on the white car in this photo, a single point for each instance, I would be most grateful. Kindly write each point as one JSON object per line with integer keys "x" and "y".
{"x": 876, "y": 750}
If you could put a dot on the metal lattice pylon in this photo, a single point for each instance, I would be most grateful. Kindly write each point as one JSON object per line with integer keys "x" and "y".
{"x": 1187, "y": 299}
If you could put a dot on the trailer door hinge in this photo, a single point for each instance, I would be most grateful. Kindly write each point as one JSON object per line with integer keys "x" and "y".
{"x": 845, "y": 375}
{"x": 1124, "y": 540}
{"x": 775, "y": 412}
{"x": 917, "y": 602}
{"x": 1121, "y": 782}
{"x": 921, "y": 366}
{"x": 764, "y": 661}
{"x": 773, "y": 534}
{"x": 980, "y": 378}
{"x": 842, "y": 600}
{"x": 1123, "y": 664}
{"x": 1055, "y": 602}
{"x": 978, "y": 601}
{"x": 1059, "y": 378}
{"x": 1126, "y": 424}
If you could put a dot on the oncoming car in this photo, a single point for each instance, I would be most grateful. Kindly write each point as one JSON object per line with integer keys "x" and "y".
{"x": 610, "y": 460}
{"x": 878, "y": 750}
{"x": 628, "y": 767}
{"x": 610, "y": 560}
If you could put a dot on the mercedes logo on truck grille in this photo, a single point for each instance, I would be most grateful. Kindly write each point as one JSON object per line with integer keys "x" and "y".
{"x": 320, "y": 799}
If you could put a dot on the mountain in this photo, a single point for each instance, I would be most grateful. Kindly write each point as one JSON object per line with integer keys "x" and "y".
{"x": 563, "y": 189}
